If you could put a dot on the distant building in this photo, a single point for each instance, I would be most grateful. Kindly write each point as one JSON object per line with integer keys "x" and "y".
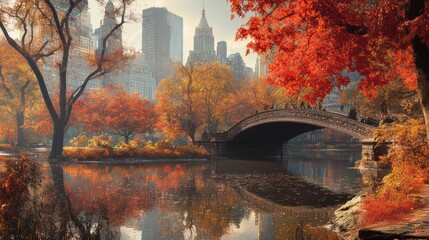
{"x": 137, "y": 78}
{"x": 78, "y": 67}
{"x": 114, "y": 42}
{"x": 222, "y": 51}
{"x": 235, "y": 61}
{"x": 332, "y": 100}
{"x": 248, "y": 73}
{"x": 162, "y": 41}
{"x": 261, "y": 66}
{"x": 203, "y": 43}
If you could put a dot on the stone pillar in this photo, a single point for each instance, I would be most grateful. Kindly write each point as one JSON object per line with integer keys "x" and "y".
{"x": 369, "y": 158}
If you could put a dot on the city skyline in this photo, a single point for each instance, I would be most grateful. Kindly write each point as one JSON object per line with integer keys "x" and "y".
{"x": 217, "y": 13}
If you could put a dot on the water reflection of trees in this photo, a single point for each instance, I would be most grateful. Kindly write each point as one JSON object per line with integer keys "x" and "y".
{"x": 163, "y": 201}
{"x": 181, "y": 193}
{"x": 30, "y": 210}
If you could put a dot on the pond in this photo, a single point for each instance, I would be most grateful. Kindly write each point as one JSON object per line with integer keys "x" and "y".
{"x": 222, "y": 199}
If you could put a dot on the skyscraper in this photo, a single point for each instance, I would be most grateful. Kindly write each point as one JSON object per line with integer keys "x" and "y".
{"x": 203, "y": 42}
{"x": 235, "y": 61}
{"x": 162, "y": 41}
{"x": 137, "y": 78}
{"x": 262, "y": 62}
{"x": 78, "y": 67}
{"x": 114, "y": 42}
{"x": 222, "y": 52}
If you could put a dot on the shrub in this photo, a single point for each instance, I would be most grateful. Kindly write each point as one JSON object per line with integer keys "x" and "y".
{"x": 16, "y": 181}
{"x": 409, "y": 158}
{"x": 126, "y": 150}
{"x": 135, "y": 149}
{"x": 79, "y": 141}
{"x": 86, "y": 153}
{"x": 408, "y": 143}
{"x": 379, "y": 209}
{"x": 5, "y": 146}
{"x": 101, "y": 141}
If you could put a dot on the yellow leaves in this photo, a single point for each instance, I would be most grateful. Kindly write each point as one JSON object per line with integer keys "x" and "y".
{"x": 193, "y": 99}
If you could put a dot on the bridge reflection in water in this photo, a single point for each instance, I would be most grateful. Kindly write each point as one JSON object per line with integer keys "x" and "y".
{"x": 222, "y": 199}
{"x": 226, "y": 199}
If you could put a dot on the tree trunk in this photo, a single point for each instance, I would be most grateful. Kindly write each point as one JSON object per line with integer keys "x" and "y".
{"x": 421, "y": 59}
{"x": 63, "y": 199}
{"x": 126, "y": 139}
{"x": 57, "y": 142}
{"x": 20, "y": 130}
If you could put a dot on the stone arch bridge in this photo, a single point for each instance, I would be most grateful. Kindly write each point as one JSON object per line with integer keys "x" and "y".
{"x": 277, "y": 126}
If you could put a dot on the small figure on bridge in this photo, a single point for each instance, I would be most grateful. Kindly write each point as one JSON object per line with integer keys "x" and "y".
{"x": 353, "y": 114}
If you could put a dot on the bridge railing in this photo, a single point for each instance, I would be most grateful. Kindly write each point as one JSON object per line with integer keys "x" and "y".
{"x": 320, "y": 118}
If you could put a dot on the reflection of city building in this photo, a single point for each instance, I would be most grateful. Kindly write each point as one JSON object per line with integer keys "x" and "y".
{"x": 162, "y": 41}
{"x": 151, "y": 225}
{"x": 265, "y": 226}
{"x": 203, "y": 42}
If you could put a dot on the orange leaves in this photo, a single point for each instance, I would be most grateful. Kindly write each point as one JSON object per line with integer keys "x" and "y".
{"x": 132, "y": 150}
{"x": 315, "y": 40}
{"x": 409, "y": 143}
{"x": 377, "y": 210}
{"x": 405, "y": 67}
{"x": 408, "y": 155}
{"x": 116, "y": 111}
{"x": 16, "y": 181}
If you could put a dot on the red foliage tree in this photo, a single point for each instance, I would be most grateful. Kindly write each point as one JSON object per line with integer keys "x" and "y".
{"x": 129, "y": 115}
{"x": 113, "y": 110}
{"x": 314, "y": 41}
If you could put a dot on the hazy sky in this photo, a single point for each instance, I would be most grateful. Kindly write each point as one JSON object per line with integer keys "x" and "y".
{"x": 218, "y": 17}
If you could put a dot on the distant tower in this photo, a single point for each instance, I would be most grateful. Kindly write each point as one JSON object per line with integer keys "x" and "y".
{"x": 162, "y": 41}
{"x": 114, "y": 42}
{"x": 203, "y": 42}
{"x": 235, "y": 61}
{"x": 222, "y": 52}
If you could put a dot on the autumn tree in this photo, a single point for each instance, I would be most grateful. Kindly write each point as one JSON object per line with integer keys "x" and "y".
{"x": 316, "y": 40}
{"x": 47, "y": 30}
{"x": 217, "y": 84}
{"x": 129, "y": 115}
{"x": 392, "y": 101}
{"x": 113, "y": 110}
{"x": 91, "y": 111}
{"x": 7, "y": 131}
{"x": 18, "y": 88}
{"x": 193, "y": 99}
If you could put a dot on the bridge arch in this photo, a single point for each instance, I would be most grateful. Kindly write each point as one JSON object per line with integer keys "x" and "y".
{"x": 285, "y": 124}
{"x": 311, "y": 117}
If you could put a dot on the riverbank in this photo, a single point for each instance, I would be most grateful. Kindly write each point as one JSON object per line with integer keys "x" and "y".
{"x": 414, "y": 225}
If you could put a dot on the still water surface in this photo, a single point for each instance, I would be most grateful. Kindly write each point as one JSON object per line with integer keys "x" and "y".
{"x": 227, "y": 199}
{"x": 223, "y": 199}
